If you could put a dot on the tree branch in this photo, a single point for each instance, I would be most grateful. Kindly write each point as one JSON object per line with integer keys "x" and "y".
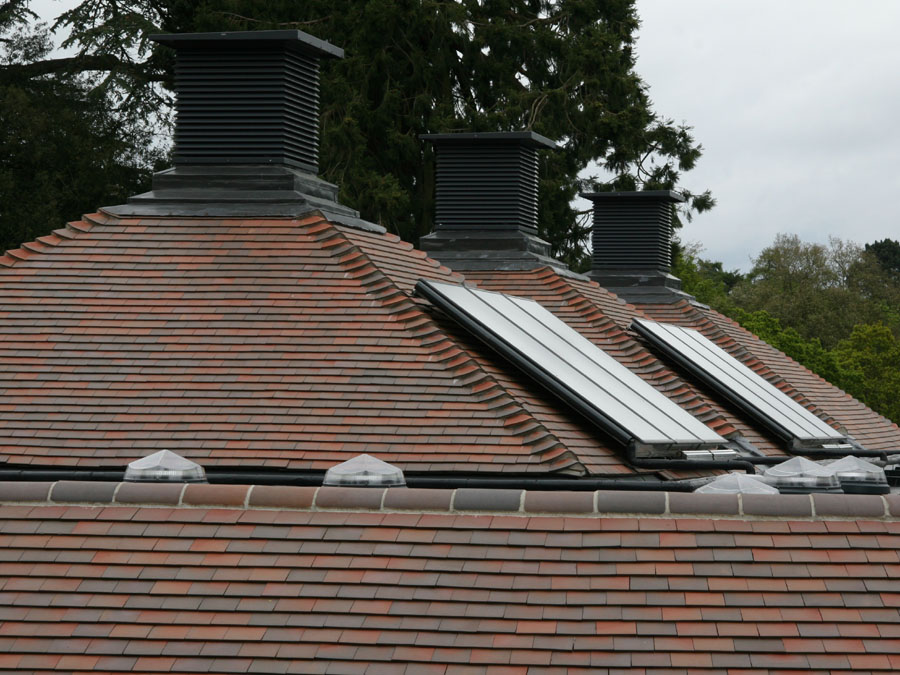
{"x": 79, "y": 64}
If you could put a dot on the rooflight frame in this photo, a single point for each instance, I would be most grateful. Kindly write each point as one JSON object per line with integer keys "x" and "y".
{"x": 543, "y": 375}
{"x": 652, "y": 332}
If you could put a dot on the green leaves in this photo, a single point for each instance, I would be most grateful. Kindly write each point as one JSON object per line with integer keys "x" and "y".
{"x": 563, "y": 68}
{"x": 833, "y": 308}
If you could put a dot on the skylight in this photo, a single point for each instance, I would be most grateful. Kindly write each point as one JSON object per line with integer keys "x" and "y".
{"x": 573, "y": 368}
{"x": 723, "y": 373}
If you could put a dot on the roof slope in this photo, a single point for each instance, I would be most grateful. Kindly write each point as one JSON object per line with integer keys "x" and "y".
{"x": 273, "y": 343}
{"x": 328, "y": 580}
{"x": 833, "y": 405}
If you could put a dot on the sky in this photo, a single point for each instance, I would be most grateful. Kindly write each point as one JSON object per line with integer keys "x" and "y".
{"x": 796, "y": 105}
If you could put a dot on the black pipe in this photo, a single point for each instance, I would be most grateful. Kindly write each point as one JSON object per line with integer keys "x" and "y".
{"x": 834, "y": 452}
{"x": 570, "y": 484}
{"x": 314, "y": 478}
{"x": 687, "y": 464}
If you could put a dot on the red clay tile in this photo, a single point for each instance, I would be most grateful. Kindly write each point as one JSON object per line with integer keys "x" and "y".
{"x": 349, "y": 498}
{"x": 559, "y": 502}
{"x": 215, "y": 495}
{"x": 276, "y": 496}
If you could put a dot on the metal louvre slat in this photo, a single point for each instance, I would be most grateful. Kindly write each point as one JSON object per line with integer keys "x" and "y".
{"x": 258, "y": 105}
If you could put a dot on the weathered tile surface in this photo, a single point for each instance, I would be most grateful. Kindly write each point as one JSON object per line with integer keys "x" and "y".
{"x": 116, "y": 588}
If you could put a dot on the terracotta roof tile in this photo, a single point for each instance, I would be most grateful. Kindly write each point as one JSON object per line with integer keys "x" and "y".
{"x": 277, "y": 343}
{"x": 499, "y": 592}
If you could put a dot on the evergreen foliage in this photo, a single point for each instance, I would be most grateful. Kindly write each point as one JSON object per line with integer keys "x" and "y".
{"x": 562, "y": 68}
{"x": 63, "y": 148}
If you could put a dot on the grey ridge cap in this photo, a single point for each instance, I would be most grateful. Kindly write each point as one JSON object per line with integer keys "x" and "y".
{"x": 668, "y": 195}
{"x": 525, "y": 137}
{"x": 295, "y": 38}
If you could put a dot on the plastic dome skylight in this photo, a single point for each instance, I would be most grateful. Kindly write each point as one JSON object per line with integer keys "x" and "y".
{"x": 799, "y": 475}
{"x": 857, "y": 476}
{"x": 364, "y": 471}
{"x": 165, "y": 467}
{"x": 734, "y": 483}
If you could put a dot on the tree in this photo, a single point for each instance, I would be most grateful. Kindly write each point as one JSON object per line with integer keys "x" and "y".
{"x": 869, "y": 361}
{"x": 811, "y": 288}
{"x": 887, "y": 252}
{"x": 563, "y": 68}
{"x": 808, "y": 352}
{"x": 63, "y": 150}
{"x": 705, "y": 279}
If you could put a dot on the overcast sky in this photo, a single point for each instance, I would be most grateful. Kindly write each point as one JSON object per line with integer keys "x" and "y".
{"x": 797, "y": 106}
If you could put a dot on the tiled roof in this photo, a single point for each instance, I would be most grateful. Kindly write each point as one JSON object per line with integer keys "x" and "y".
{"x": 280, "y": 343}
{"x": 275, "y": 343}
{"x": 212, "y": 578}
{"x": 837, "y": 407}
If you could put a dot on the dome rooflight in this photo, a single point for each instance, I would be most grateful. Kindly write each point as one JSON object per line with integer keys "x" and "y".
{"x": 734, "y": 483}
{"x": 364, "y": 471}
{"x": 802, "y": 476}
{"x": 857, "y": 476}
{"x": 165, "y": 467}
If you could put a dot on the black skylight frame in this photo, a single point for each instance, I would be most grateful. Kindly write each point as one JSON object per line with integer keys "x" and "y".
{"x": 677, "y": 344}
{"x": 493, "y": 338}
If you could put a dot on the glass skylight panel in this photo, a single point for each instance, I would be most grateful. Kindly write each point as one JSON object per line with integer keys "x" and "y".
{"x": 572, "y": 367}
{"x": 732, "y": 379}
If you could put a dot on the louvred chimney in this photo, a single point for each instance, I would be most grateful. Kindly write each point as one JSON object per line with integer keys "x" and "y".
{"x": 632, "y": 244}
{"x": 246, "y": 128}
{"x": 486, "y": 211}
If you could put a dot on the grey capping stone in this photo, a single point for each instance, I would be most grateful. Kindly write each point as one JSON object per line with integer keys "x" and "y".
{"x": 559, "y": 502}
{"x": 854, "y": 506}
{"x": 349, "y": 498}
{"x": 893, "y": 504}
{"x": 83, "y": 491}
{"x": 21, "y": 491}
{"x": 418, "y": 499}
{"x": 688, "y": 502}
{"x": 477, "y": 499}
{"x": 283, "y": 496}
{"x": 777, "y": 505}
{"x": 201, "y": 494}
{"x": 639, "y": 501}
{"x": 149, "y": 493}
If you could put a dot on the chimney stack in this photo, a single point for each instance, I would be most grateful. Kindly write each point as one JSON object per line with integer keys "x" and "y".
{"x": 486, "y": 211}
{"x": 248, "y": 97}
{"x": 632, "y": 242}
{"x": 246, "y": 129}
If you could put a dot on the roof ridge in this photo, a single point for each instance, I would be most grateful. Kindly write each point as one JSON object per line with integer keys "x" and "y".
{"x": 485, "y": 388}
{"x": 45, "y": 243}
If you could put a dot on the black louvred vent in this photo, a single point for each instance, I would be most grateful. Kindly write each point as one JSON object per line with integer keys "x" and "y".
{"x": 250, "y": 107}
{"x": 487, "y": 181}
{"x": 248, "y": 98}
{"x": 633, "y": 231}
